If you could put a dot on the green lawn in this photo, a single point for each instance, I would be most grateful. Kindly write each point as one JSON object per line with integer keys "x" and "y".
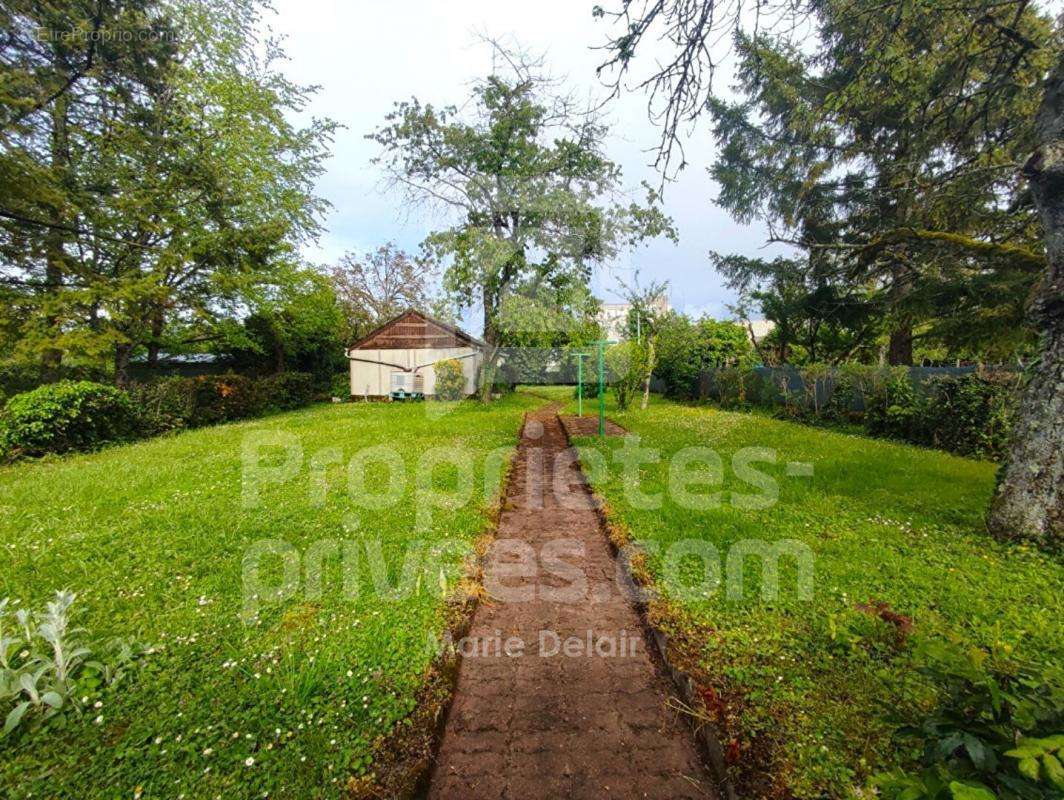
{"x": 810, "y": 683}
{"x": 152, "y": 536}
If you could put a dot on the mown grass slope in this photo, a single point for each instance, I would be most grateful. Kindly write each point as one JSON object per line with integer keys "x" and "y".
{"x": 153, "y": 536}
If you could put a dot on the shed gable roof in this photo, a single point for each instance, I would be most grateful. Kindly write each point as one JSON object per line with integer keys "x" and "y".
{"x": 413, "y": 330}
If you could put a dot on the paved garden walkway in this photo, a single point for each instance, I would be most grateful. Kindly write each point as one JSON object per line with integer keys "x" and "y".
{"x": 557, "y": 696}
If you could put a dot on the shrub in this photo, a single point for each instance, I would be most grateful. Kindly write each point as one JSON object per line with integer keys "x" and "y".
{"x": 340, "y": 385}
{"x": 685, "y": 349}
{"x": 853, "y": 385}
{"x": 65, "y": 416}
{"x": 971, "y": 415}
{"x": 894, "y": 408}
{"x": 731, "y": 387}
{"x": 624, "y": 364}
{"x": 966, "y": 414}
{"x": 450, "y": 380}
{"x": 997, "y": 731}
{"x": 164, "y": 405}
{"x": 287, "y": 390}
{"x": 224, "y": 398}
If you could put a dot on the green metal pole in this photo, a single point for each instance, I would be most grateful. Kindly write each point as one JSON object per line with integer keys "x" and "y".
{"x": 580, "y": 384}
{"x": 601, "y": 388}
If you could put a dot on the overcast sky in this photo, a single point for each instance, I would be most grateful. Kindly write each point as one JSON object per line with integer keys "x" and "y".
{"x": 367, "y": 54}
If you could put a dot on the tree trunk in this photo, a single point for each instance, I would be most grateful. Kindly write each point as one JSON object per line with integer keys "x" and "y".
{"x": 651, "y": 356}
{"x": 1029, "y": 501}
{"x": 900, "y": 349}
{"x": 122, "y": 355}
{"x": 55, "y": 238}
{"x": 487, "y": 369}
{"x": 156, "y": 335}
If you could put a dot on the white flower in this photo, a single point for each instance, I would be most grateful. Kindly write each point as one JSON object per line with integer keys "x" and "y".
{"x": 208, "y": 751}
{"x": 98, "y": 720}
{"x": 249, "y": 762}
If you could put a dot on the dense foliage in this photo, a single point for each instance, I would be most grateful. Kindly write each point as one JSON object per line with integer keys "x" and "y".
{"x": 68, "y": 416}
{"x": 969, "y": 414}
{"x": 996, "y": 730}
{"x": 686, "y": 348}
{"x": 65, "y": 416}
{"x": 450, "y": 379}
{"x": 625, "y": 365}
{"x": 299, "y": 325}
{"x": 153, "y": 181}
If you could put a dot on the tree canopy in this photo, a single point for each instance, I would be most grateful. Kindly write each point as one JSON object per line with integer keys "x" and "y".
{"x": 171, "y": 185}
{"x": 521, "y": 174}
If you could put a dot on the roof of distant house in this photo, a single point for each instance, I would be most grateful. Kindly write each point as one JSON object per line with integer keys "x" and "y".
{"x": 415, "y": 330}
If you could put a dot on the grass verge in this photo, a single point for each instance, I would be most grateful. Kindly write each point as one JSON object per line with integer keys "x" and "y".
{"x": 153, "y": 539}
{"x": 807, "y": 689}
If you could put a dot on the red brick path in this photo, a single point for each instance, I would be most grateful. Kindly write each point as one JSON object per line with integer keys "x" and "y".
{"x": 535, "y": 725}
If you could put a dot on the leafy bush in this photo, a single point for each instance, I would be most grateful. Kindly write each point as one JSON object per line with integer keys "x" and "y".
{"x": 731, "y": 387}
{"x": 172, "y": 403}
{"x": 625, "y": 367}
{"x": 164, "y": 405}
{"x": 225, "y": 398}
{"x": 65, "y": 416}
{"x": 894, "y": 409}
{"x": 287, "y": 390}
{"x": 48, "y": 667}
{"x": 685, "y": 349}
{"x": 997, "y": 732}
{"x": 968, "y": 414}
{"x": 971, "y": 415}
{"x": 340, "y": 385}
{"x": 450, "y": 380}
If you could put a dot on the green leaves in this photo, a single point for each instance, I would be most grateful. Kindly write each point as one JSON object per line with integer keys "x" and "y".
{"x": 524, "y": 178}
{"x": 969, "y": 791}
{"x": 15, "y": 717}
{"x": 1039, "y": 759}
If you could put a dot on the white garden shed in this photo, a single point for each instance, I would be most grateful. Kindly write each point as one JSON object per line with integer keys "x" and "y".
{"x": 402, "y": 352}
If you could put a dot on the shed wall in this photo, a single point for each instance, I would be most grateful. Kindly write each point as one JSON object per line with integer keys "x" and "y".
{"x": 371, "y": 374}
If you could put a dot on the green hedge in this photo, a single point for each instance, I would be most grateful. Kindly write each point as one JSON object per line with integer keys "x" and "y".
{"x": 68, "y": 416}
{"x": 65, "y": 416}
{"x": 968, "y": 414}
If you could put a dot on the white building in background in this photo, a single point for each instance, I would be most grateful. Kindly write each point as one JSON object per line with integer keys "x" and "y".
{"x": 402, "y": 353}
{"x": 758, "y": 329}
{"x": 613, "y": 317}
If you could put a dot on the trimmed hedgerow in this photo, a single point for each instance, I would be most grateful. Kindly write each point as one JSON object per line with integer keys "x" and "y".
{"x": 164, "y": 405}
{"x": 66, "y": 416}
{"x": 288, "y": 390}
{"x": 69, "y": 416}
